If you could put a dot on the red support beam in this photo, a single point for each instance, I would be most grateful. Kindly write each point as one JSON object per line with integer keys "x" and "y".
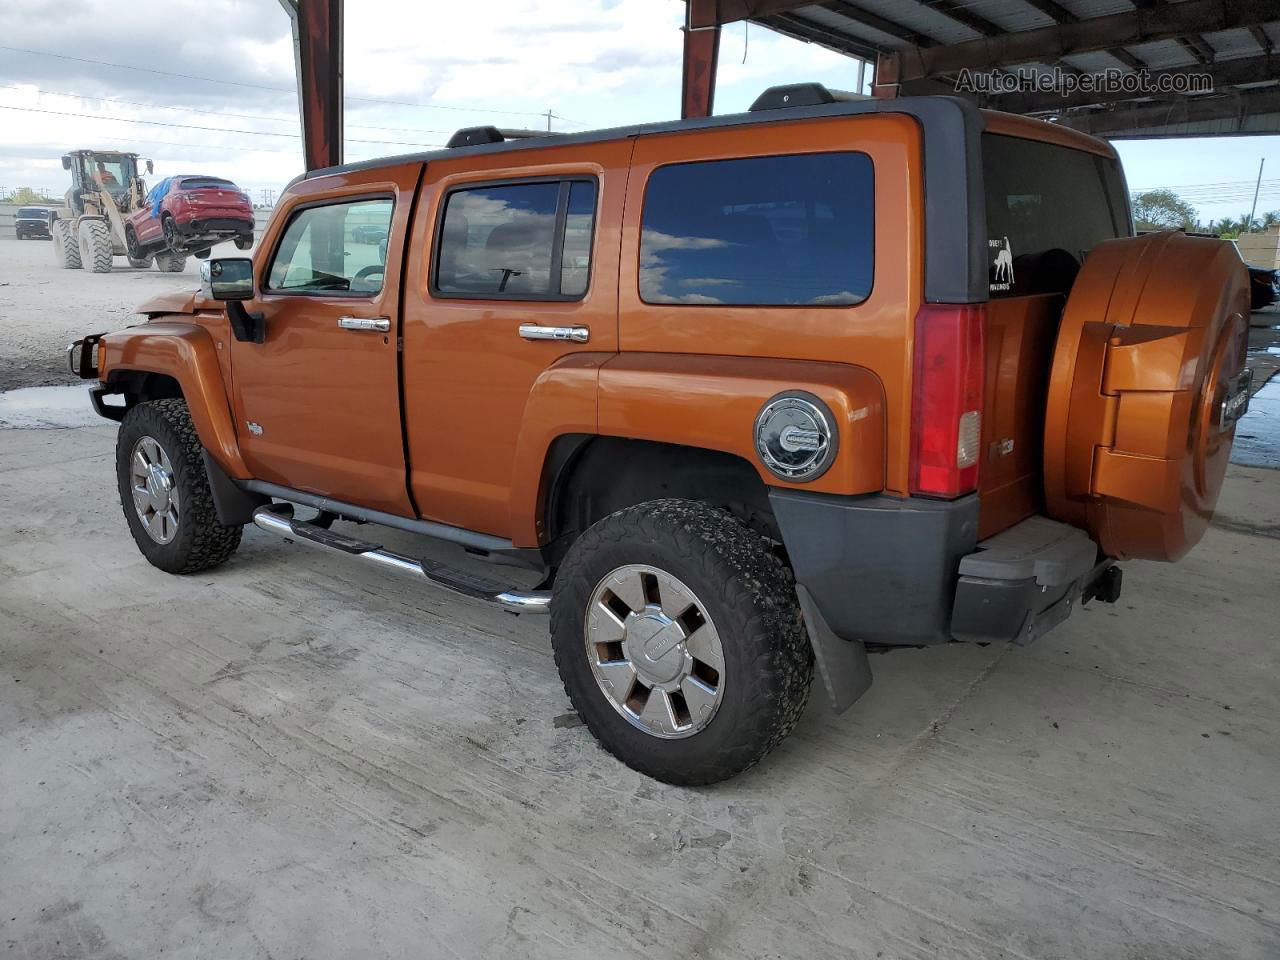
{"x": 698, "y": 92}
{"x": 317, "y": 39}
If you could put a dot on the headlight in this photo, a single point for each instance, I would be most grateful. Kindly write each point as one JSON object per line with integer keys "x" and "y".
{"x": 796, "y": 436}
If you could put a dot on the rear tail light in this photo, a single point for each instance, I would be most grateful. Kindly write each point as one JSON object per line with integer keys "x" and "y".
{"x": 946, "y": 400}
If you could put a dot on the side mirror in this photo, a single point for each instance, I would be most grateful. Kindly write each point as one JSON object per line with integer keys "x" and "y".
{"x": 150, "y": 168}
{"x": 66, "y": 163}
{"x": 227, "y": 278}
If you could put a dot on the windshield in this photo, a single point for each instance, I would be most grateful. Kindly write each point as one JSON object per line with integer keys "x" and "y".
{"x": 1047, "y": 207}
{"x": 31, "y": 213}
{"x": 111, "y": 172}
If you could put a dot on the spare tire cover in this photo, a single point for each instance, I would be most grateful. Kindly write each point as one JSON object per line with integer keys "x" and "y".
{"x": 1146, "y": 386}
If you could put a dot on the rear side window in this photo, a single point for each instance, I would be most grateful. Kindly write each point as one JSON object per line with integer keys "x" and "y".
{"x": 516, "y": 241}
{"x": 762, "y": 231}
{"x": 1047, "y": 207}
{"x": 319, "y": 254}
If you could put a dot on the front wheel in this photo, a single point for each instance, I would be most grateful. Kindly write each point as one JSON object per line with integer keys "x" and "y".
{"x": 679, "y": 640}
{"x": 164, "y": 490}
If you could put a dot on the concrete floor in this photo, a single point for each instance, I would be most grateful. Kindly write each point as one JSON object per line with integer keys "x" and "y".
{"x": 293, "y": 756}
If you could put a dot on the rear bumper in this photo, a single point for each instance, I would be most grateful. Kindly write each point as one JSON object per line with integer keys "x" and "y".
{"x": 202, "y": 226}
{"x": 911, "y": 572}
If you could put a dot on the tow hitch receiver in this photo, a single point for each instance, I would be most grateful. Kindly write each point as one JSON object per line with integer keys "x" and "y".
{"x": 275, "y": 519}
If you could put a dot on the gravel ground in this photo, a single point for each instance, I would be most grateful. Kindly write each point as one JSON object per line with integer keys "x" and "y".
{"x": 35, "y": 328}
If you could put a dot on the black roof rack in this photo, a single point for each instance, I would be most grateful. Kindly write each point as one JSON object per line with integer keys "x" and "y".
{"x": 801, "y": 95}
{"x": 470, "y": 136}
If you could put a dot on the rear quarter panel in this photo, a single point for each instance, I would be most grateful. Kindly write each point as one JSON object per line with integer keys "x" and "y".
{"x": 874, "y": 335}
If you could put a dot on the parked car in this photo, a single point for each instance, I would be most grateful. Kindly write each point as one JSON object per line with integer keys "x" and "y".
{"x": 740, "y": 392}
{"x": 189, "y": 214}
{"x": 368, "y": 233}
{"x": 31, "y": 222}
{"x": 1264, "y": 282}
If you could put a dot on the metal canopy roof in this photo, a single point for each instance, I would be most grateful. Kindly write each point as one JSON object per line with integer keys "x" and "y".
{"x": 923, "y": 46}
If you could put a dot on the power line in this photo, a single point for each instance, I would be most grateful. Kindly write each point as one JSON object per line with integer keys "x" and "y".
{"x": 261, "y": 86}
{"x": 187, "y": 126}
{"x": 211, "y": 113}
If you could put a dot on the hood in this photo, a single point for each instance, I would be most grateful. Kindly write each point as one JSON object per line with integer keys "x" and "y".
{"x": 178, "y": 301}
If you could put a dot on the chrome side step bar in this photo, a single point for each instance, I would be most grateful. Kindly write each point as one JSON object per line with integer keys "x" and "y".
{"x": 437, "y": 574}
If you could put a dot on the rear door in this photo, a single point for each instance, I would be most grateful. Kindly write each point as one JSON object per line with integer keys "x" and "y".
{"x": 504, "y": 241}
{"x": 318, "y": 404}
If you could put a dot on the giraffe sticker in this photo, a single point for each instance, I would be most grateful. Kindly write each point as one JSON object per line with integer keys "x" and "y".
{"x": 1002, "y": 265}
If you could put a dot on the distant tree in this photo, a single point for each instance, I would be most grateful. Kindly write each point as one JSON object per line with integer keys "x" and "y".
{"x": 1230, "y": 228}
{"x": 1162, "y": 210}
{"x": 25, "y": 195}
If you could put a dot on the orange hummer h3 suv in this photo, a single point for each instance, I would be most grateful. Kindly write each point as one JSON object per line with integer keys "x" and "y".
{"x": 749, "y": 391}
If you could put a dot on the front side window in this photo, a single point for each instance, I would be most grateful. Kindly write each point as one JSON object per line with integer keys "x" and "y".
{"x": 321, "y": 251}
{"x": 761, "y": 231}
{"x": 518, "y": 241}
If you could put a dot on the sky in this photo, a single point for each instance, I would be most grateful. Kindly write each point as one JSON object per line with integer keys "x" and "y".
{"x": 210, "y": 87}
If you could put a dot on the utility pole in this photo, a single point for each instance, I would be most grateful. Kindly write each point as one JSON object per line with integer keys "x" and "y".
{"x": 549, "y": 116}
{"x": 1248, "y": 228}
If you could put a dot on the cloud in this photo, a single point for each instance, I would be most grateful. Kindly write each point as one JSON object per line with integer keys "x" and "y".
{"x": 504, "y": 62}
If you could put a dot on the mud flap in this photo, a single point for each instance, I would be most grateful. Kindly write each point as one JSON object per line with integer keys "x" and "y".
{"x": 842, "y": 664}
{"x": 233, "y": 504}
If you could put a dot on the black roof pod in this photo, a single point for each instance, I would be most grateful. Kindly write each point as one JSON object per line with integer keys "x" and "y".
{"x": 470, "y": 136}
{"x": 801, "y": 95}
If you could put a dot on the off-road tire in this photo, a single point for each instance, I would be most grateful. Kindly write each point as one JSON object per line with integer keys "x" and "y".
{"x": 95, "y": 246}
{"x": 170, "y": 262}
{"x": 201, "y": 542}
{"x": 749, "y": 595}
{"x": 66, "y": 247}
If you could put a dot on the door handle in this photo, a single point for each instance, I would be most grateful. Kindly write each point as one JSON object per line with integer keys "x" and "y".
{"x": 534, "y": 331}
{"x": 381, "y": 324}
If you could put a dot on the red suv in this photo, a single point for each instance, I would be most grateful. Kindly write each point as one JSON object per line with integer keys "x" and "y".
{"x": 189, "y": 215}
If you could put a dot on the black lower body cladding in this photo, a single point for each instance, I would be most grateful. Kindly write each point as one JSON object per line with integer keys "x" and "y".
{"x": 881, "y": 569}
{"x": 912, "y": 572}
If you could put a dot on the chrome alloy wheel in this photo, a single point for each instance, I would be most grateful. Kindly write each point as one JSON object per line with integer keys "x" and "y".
{"x": 654, "y": 652}
{"x": 154, "y": 495}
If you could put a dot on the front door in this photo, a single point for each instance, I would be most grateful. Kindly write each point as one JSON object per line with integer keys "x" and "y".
{"x": 318, "y": 403}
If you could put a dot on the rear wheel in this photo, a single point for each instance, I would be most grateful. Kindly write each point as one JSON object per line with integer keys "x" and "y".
{"x": 140, "y": 262}
{"x": 244, "y": 242}
{"x": 95, "y": 246}
{"x": 164, "y": 490}
{"x": 66, "y": 246}
{"x": 679, "y": 640}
